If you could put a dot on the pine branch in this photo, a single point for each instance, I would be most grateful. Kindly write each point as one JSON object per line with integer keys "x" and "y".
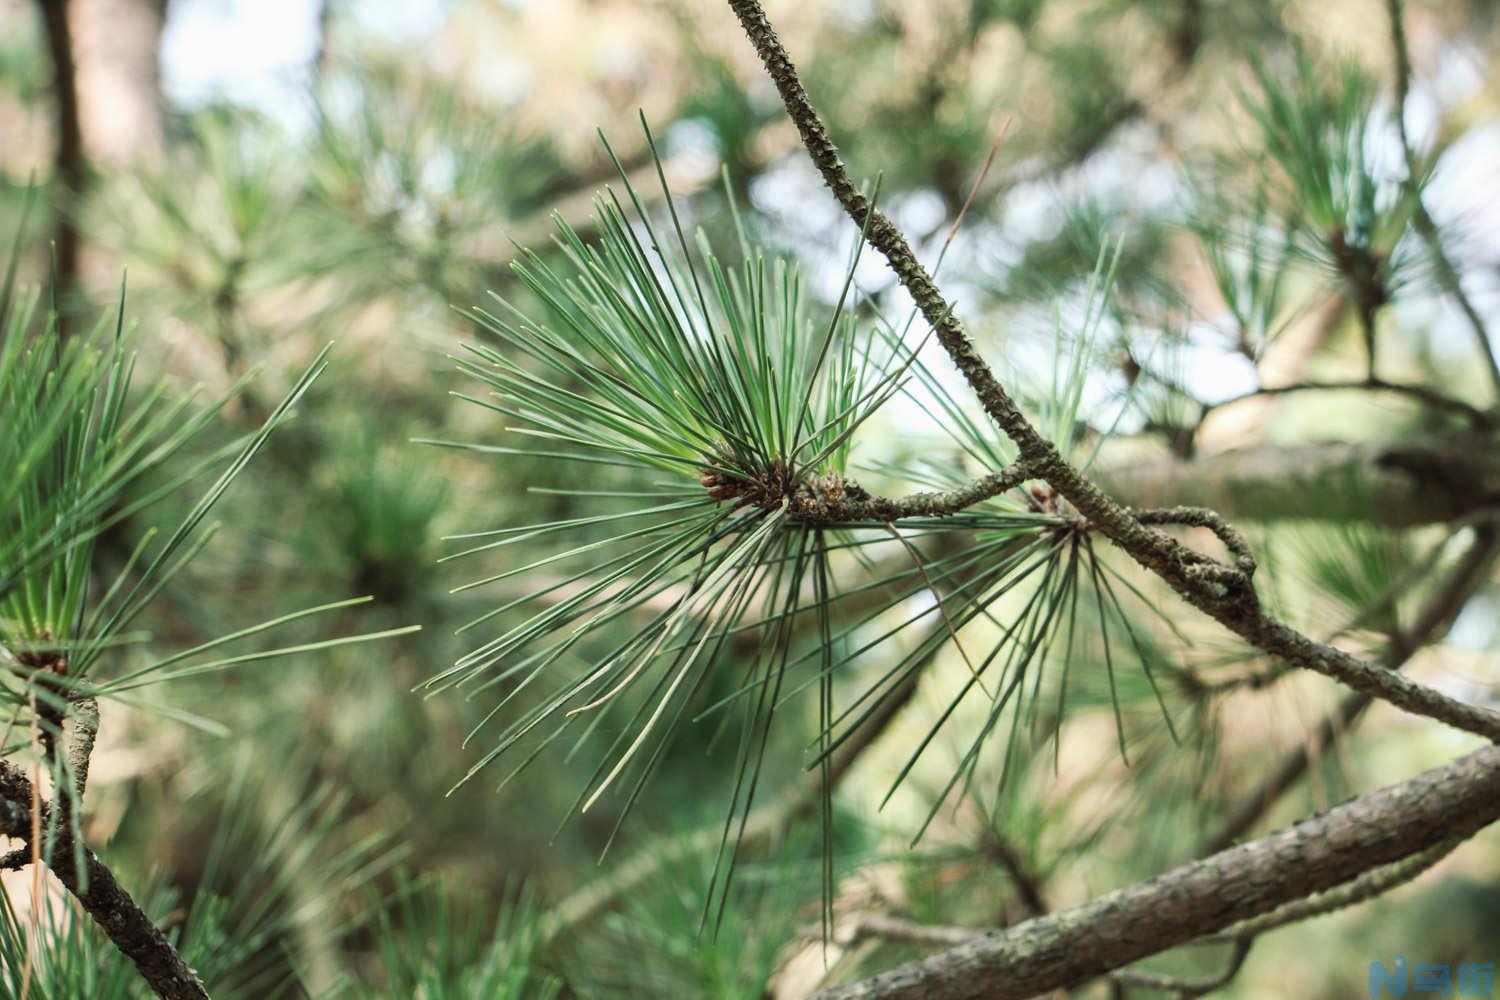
{"x": 1220, "y": 591}
{"x": 1030, "y": 885}
{"x": 1068, "y": 948}
{"x": 1242, "y": 936}
{"x": 1372, "y": 883}
{"x": 1447, "y": 274}
{"x": 102, "y": 896}
{"x": 844, "y": 503}
{"x": 883, "y": 235}
{"x": 1203, "y": 517}
{"x": 1436, "y": 618}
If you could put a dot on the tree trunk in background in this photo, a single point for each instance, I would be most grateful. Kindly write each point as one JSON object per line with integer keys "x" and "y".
{"x": 68, "y": 165}
{"x": 106, "y": 86}
{"x": 116, "y": 43}
{"x": 325, "y": 37}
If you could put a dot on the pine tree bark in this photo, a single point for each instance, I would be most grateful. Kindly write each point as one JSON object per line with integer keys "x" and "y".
{"x": 116, "y": 51}
{"x": 1068, "y": 948}
{"x": 101, "y": 896}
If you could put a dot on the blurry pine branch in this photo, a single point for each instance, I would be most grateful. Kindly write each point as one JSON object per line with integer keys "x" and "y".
{"x": 88, "y": 445}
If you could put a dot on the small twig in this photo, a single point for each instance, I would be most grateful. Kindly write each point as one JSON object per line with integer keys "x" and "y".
{"x": 1365, "y": 276}
{"x": 1257, "y": 680}
{"x": 978, "y": 182}
{"x": 849, "y": 503}
{"x": 882, "y": 925}
{"x": 1424, "y": 394}
{"x": 1202, "y": 517}
{"x": 1187, "y": 989}
{"x": 1029, "y": 885}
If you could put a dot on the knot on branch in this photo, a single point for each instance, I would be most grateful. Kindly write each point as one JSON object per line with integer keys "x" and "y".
{"x": 1363, "y": 268}
{"x": 819, "y": 497}
{"x": 767, "y": 489}
{"x": 1043, "y": 498}
{"x": 40, "y": 659}
{"x": 1230, "y": 583}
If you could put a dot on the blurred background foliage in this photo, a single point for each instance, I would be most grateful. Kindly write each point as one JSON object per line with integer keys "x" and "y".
{"x": 362, "y": 191}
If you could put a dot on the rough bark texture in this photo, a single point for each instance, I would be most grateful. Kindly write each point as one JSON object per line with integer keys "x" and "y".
{"x": 1068, "y": 948}
{"x": 831, "y": 500}
{"x": 126, "y": 924}
{"x": 1065, "y": 949}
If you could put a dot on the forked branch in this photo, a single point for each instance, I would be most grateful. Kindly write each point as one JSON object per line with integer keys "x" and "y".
{"x": 1223, "y": 592}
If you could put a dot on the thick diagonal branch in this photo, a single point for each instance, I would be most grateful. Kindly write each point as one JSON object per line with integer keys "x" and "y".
{"x": 112, "y": 908}
{"x": 1216, "y": 590}
{"x": 1375, "y": 882}
{"x": 1073, "y": 946}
